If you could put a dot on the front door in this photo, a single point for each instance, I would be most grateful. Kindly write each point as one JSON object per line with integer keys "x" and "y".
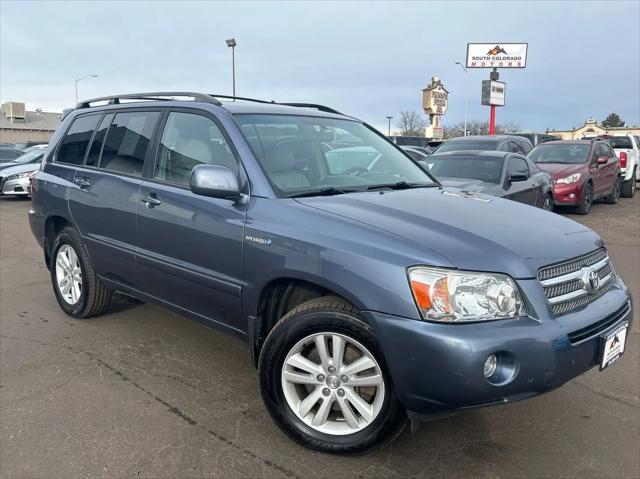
{"x": 190, "y": 246}
{"x": 605, "y": 175}
{"x": 104, "y": 198}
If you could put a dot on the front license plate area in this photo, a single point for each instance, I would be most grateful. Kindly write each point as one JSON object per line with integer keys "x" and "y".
{"x": 612, "y": 345}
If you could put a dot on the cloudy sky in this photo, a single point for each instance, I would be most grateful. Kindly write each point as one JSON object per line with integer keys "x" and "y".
{"x": 370, "y": 59}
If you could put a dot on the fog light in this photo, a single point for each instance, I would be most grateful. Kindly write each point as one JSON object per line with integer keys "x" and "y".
{"x": 572, "y": 195}
{"x": 490, "y": 366}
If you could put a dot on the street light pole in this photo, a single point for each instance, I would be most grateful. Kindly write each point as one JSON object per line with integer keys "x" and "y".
{"x": 231, "y": 43}
{"x": 466, "y": 95}
{"x": 389, "y": 118}
{"x": 82, "y": 78}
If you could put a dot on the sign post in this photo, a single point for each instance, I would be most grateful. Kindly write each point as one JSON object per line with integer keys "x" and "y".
{"x": 498, "y": 55}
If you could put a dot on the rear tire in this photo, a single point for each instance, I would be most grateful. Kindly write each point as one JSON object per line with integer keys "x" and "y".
{"x": 319, "y": 322}
{"x": 587, "y": 200}
{"x": 77, "y": 288}
{"x": 613, "y": 197}
{"x": 629, "y": 186}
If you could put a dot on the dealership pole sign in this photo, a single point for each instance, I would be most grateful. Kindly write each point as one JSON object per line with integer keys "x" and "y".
{"x": 497, "y": 55}
{"x": 494, "y": 56}
{"x": 435, "y": 101}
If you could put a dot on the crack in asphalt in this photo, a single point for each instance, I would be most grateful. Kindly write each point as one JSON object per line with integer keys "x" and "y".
{"x": 171, "y": 408}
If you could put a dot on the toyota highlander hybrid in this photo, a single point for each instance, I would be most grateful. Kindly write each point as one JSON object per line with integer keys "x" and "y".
{"x": 367, "y": 292}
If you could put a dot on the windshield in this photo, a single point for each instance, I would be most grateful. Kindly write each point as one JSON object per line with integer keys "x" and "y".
{"x": 483, "y": 168}
{"x": 30, "y": 157}
{"x": 465, "y": 145}
{"x": 570, "y": 154}
{"x": 302, "y": 155}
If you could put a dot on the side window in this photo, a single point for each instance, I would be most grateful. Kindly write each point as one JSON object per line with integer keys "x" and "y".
{"x": 517, "y": 166}
{"x": 98, "y": 140}
{"x": 505, "y": 146}
{"x": 188, "y": 140}
{"x": 127, "y": 142}
{"x": 74, "y": 144}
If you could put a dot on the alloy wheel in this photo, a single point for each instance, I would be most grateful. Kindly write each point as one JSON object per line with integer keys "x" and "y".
{"x": 588, "y": 198}
{"x": 333, "y": 383}
{"x": 546, "y": 205}
{"x": 68, "y": 274}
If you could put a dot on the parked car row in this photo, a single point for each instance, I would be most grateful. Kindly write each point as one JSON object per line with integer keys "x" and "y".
{"x": 15, "y": 175}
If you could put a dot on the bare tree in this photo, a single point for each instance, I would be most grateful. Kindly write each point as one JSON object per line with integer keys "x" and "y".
{"x": 411, "y": 123}
{"x": 477, "y": 127}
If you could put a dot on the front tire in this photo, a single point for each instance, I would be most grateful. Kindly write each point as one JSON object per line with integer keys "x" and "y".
{"x": 629, "y": 186}
{"x": 587, "y": 200}
{"x": 77, "y": 288}
{"x": 324, "y": 381}
{"x": 547, "y": 203}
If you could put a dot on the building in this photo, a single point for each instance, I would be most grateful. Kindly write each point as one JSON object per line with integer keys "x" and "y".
{"x": 20, "y": 126}
{"x": 592, "y": 128}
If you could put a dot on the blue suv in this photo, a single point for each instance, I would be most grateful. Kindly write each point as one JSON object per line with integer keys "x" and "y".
{"x": 368, "y": 293}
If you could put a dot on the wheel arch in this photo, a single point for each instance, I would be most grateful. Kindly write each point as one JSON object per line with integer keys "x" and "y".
{"x": 279, "y": 296}
{"x": 52, "y": 226}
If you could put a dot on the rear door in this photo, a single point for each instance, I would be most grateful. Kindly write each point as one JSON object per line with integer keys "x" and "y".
{"x": 104, "y": 198}
{"x": 190, "y": 246}
{"x": 522, "y": 191}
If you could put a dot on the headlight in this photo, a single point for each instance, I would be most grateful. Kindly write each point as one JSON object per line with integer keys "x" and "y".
{"x": 453, "y": 296}
{"x": 567, "y": 180}
{"x": 18, "y": 175}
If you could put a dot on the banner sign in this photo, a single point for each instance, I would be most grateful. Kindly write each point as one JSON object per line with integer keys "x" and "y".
{"x": 497, "y": 55}
{"x": 493, "y": 92}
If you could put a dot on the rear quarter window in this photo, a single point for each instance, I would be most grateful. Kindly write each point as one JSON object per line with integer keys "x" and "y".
{"x": 623, "y": 142}
{"x": 74, "y": 145}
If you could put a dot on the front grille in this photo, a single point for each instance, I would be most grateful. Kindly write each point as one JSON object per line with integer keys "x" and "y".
{"x": 599, "y": 326}
{"x": 566, "y": 285}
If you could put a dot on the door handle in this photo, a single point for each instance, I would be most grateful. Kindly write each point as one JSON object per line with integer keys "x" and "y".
{"x": 82, "y": 182}
{"x": 150, "y": 200}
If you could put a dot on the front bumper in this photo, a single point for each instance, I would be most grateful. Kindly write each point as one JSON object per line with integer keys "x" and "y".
{"x": 567, "y": 195}
{"x": 17, "y": 187}
{"x": 438, "y": 368}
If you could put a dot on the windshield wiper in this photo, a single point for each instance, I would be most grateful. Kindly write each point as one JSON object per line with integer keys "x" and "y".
{"x": 329, "y": 191}
{"x": 403, "y": 185}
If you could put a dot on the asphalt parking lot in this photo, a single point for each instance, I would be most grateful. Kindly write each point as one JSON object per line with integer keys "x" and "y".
{"x": 142, "y": 392}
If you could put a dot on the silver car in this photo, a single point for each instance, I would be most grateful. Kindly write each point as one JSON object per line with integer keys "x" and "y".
{"x": 15, "y": 179}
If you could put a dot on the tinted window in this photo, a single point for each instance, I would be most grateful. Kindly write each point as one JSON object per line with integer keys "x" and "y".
{"x": 621, "y": 142}
{"x": 74, "y": 145}
{"x": 524, "y": 146}
{"x": 189, "y": 140}
{"x": 517, "y": 166}
{"x": 98, "y": 140}
{"x": 483, "y": 168}
{"x": 560, "y": 153}
{"x": 465, "y": 145}
{"x": 127, "y": 142}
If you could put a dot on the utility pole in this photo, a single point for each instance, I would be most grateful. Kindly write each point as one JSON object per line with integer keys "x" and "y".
{"x": 389, "y": 118}
{"x": 466, "y": 94}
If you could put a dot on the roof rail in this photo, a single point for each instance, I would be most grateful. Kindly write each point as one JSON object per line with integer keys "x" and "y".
{"x": 243, "y": 98}
{"x": 326, "y": 109}
{"x": 163, "y": 95}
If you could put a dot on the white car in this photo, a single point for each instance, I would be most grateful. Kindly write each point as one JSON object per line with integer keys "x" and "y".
{"x": 627, "y": 149}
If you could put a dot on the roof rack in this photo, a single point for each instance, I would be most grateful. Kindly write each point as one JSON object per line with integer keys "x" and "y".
{"x": 326, "y": 109}
{"x": 163, "y": 95}
{"x": 243, "y": 98}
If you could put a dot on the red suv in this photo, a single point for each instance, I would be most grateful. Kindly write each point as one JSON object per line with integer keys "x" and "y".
{"x": 582, "y": 171}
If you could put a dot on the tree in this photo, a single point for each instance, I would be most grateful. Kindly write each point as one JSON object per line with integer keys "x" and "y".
{"x": 477, "y": 127}
{"x": 411, "y": 123}
{"x": 612, "y": 121}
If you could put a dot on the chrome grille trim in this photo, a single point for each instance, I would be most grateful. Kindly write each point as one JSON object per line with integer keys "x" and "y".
{"x": 565, "y": 285}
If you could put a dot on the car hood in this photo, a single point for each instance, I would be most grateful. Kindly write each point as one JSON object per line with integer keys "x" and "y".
{"x": 560, "y": 170}
{"x": 468, "y": 185}
{"x": 14, "y": 169}
{"x": 472, "y": 231}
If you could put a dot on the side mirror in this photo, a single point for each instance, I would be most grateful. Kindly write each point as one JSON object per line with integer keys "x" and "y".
{"x": 602, "y": 160}
{"x": 515, "y": 177}
{"x": 215, "y": 181}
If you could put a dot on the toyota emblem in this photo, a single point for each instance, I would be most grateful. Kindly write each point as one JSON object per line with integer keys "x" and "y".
{"x": 592, "y": 280}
